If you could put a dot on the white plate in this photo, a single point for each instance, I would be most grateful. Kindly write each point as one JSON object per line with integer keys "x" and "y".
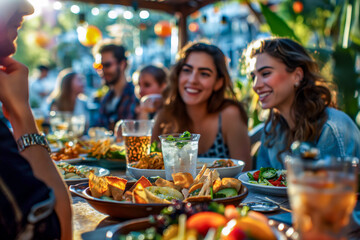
{"x": 270, "y": 190}
{"x": 223, "y": 171}
{"x": 98, "y": 171}
{"x": 81, "y": 158}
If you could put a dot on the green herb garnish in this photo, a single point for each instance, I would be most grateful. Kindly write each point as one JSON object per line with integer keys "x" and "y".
{"x": 183, "y": 137}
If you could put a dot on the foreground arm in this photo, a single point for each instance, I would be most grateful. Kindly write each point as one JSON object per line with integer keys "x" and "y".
{"x": 15, "y": 98}
{"x": 236, "y": 135}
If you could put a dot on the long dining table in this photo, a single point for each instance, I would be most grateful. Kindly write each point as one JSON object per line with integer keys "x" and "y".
{"x": 89, "y": 224}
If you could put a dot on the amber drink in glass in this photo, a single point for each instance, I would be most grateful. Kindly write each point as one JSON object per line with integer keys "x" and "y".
{"x": 137, "y": 138}
{"x": 322, "y": 195}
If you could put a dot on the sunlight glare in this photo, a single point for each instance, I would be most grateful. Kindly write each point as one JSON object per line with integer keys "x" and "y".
{"x": 57, "y": 5}
{"x": 38, "y": 5}
{"x": 128, "y": 15}
{"x": 95, "y": 11}
{"x": 75, "y": 9}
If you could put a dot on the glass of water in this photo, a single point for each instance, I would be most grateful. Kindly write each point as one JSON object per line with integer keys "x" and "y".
{"x": 179, "y": 153}
{"x": 78, "y": 123}
{"x": 60, "y": 123}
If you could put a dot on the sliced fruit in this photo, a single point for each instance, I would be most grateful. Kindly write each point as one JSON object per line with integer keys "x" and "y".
{"x": 203, "y": 221}
{"x": 255, "y": 229}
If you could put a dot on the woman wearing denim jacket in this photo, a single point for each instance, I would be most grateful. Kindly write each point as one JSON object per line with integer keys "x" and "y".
{"x": 288, "y": 83}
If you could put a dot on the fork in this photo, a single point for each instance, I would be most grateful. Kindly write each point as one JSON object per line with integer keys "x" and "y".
{"x": 281, "y": 207}
{"x": 279, "y": 204}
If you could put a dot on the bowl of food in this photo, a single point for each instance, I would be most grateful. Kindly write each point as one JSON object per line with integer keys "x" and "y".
{"x": 153, "y": 165}
{"x": 122, "y": 199}
{"x": 266, "y": 180}
{"x": 206, "y": 221}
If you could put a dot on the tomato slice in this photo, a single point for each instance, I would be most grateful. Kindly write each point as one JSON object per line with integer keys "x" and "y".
{"x": 256, "y": 175}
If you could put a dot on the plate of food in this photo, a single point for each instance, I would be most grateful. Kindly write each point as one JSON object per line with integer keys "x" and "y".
{"x": 122, "y": 199}
{"x": 213, "y": 221}
{"x": 107, "y": 154}
{"x": 266, "y": 180}
{"x": 76, "y": 174}
{"x": 153, "y": 165}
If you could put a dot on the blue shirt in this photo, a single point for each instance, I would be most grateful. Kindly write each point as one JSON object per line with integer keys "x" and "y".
{"x": 339, "y": 137}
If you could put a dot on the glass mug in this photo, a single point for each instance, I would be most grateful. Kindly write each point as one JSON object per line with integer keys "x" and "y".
{"x": 322, "y": 194}
{"x": 137, "y": 138}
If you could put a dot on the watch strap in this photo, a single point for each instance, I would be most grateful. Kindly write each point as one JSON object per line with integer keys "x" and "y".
{"x": 32, "y": 139}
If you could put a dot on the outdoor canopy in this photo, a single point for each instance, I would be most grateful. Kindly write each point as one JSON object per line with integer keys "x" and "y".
{"x": 182, "y": 8}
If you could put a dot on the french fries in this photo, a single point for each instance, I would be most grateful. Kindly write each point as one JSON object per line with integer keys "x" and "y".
{"x": 152, "y": 161}
{"x": 69, "y": 152}
{"x": 101, "y": 148}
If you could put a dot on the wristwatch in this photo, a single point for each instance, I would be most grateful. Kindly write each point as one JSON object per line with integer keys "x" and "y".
{"x": 32, "y": 139}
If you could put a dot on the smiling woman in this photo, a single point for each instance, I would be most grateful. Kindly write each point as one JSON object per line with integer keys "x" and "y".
{"x": 289, "y": 83}
{"x": 200, "y": 99}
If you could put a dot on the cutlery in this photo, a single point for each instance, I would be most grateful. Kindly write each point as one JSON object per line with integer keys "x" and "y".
{"x": 281, "y": 207}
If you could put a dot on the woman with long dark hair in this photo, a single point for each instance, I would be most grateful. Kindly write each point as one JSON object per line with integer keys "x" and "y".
{"x": 200, "y": 99}
{"x": 289, "y": 83}
{"x": 67, "y": 95}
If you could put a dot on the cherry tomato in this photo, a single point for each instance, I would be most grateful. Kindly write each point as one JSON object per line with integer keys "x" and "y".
{"x": 256, "y": 175}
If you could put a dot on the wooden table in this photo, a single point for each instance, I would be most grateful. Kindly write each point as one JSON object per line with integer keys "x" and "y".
{"x": 86, "y": 219}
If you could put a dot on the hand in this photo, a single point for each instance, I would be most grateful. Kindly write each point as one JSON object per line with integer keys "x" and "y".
{"x": 14, "y": 90}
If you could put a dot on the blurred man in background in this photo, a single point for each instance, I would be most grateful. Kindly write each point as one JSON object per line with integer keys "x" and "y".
{"x": 120, "y": 101}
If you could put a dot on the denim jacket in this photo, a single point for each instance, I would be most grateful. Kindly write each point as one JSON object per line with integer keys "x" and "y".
{"x": 339, "y": 137}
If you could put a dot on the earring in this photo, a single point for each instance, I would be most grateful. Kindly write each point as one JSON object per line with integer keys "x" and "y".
{"x": 296, "y": 85}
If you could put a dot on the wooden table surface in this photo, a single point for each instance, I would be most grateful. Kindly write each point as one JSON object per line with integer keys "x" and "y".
{"x": 90, "y": 224}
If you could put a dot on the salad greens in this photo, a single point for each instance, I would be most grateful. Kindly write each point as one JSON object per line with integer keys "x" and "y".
{"x": 269, "y": 177}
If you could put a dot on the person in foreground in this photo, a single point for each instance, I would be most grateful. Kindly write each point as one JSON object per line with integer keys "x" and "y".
{"x": 289, "y": 83}
{"x": 34, "y": 201}
{"x": 200, "y": 99}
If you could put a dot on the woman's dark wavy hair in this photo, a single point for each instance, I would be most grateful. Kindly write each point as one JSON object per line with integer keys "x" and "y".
{"x": 174, "y": 115}
{"x": 312, "y": 96}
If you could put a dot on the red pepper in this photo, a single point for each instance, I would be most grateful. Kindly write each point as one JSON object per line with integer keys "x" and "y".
{"x": 256, "y": 175}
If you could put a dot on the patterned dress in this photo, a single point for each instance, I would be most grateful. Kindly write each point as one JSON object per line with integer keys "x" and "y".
{"x": 219, "y": 149}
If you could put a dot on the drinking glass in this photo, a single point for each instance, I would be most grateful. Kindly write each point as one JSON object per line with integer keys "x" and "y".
{"x": 322, "y": 194}
{"x": 151, "y": 103}
{"x": 59, "y": 123}
{"x": 77, "y": 127}
{"x": 39, "y": 117}
{"x": 179, "y": 155}
{"x": 137, "y": 138}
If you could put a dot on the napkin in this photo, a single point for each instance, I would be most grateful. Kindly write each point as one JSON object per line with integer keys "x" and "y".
{"x": 282, "y": 217}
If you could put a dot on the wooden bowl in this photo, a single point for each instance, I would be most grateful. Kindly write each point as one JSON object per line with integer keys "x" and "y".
{"x": 127, "y": 210}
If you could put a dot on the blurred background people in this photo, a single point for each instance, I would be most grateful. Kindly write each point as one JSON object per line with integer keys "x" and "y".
{"x": 200, "y": 99}
{"x": 149, "y": 86}
{"x": 289, "y": 83}
{"x": 40, "y": 89}
{"x": 68, "y": 95}
{"x": 120, "y": 101}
